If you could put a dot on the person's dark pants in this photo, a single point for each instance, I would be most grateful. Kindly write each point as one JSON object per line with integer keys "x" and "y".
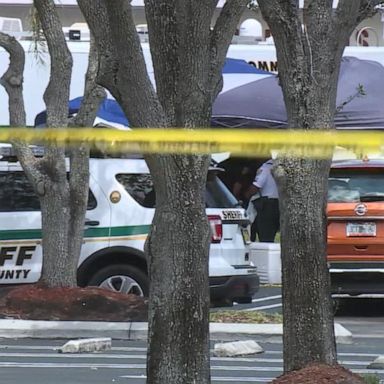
{"x": 267, "y": 221}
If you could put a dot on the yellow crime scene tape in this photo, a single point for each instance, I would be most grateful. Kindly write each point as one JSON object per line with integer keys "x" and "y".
{"x": 257, "y": 142}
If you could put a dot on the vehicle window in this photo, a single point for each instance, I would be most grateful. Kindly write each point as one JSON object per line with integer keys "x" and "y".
{"x": 217, "y": 195}
{"x": 356, "y": 185}
{"x": 23, "y": 195}
{"x": 17, "y": 194}
{"x": 92, "y": 202}
{"x": 140, "y": 187}
{"x": 5, "y": 192}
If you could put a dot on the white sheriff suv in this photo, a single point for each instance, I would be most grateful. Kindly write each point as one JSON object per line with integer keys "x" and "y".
{"x": 120, "y": 211}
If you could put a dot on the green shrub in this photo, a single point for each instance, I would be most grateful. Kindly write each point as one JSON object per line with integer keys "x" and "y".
{"x": 371, "y": 379}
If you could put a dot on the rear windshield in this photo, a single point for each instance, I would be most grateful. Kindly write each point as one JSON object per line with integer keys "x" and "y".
{"x": 140, "y": 187}
{"x": 356, "y": 185}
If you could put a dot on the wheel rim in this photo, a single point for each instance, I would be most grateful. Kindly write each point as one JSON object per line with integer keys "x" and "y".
{"x": 123, "y": 284}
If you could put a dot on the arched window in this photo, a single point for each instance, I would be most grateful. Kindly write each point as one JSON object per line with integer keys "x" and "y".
{"x": 251, "y": 27}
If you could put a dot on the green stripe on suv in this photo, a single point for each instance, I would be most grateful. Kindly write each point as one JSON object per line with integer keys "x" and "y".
{"x": 20, "y": 234}
{"x": 28, "y": 234}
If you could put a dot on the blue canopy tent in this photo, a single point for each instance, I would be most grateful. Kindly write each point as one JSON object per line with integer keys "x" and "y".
{"x": 109, "y": 113}
{"x": 260, "y": 104}
{"x": 252, "y": 98}
{"x": 236, "y": 72}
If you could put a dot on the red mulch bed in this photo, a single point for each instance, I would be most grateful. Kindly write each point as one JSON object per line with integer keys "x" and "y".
{"x": 36, "y": 302}
{"x": 320, "y": 374}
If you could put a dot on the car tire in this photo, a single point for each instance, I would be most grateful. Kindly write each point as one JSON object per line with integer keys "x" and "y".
{"x": 122, "y": 278}
{"x": 221, "y": 303}
{"x": 338, "y": 305}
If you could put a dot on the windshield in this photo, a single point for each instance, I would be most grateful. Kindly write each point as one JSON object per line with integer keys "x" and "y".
{"x": 356, "y": 185}
{"x": 217, "y": 195}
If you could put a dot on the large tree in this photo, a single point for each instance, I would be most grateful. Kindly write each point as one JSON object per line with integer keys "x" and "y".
{"x": 187, "y": 57}
{"x": 309, "y": 49}
{"x": 63, "y": 201}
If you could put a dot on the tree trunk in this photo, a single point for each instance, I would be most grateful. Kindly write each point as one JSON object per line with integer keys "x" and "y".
{"x": 53, "y": 187}
{"x": 12, "y": 80}
{"x": 57, "y": 270}
{"x": 54, "y": 198}
{"x": 79, "y": 157}
{"x": 307, "y": 306}
{"x": 309, "y": 57}
{"x": 178, "y": 269}
{"x": 307, "y": 303}
{"x": 178, "y": 246}
{"x": 187, "y": 58}
{"x": 63, "y": 202}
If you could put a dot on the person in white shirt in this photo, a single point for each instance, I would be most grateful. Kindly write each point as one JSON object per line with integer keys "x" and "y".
{"x": 267, "y": 221}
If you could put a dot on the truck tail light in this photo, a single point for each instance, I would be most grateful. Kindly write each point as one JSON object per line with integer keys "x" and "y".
{"x": 216, "y": 228}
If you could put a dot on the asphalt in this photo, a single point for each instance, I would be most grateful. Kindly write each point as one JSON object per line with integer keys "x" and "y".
{"x": 11, "y": 328}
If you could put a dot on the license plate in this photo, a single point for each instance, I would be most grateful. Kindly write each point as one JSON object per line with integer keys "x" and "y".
{"x": 245, "y": 233}
{"x": 361, "y": 229}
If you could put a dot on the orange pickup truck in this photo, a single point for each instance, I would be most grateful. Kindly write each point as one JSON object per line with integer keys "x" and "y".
{"x": 356, "y": 226}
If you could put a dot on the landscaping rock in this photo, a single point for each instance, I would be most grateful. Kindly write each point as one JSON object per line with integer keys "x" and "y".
{"x": 237, "y": 348}
{"x": 86, "y": 345}
{"x": 378, "y": 363}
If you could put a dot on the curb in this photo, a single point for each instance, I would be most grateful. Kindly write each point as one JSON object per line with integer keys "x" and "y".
{"x": 138, "y": 331}
{"x": 265, "y": 332}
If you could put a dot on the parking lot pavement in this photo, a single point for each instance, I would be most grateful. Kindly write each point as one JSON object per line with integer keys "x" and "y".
{"x": 361, "y": 312}
{"x": 37, "y": 361}
{"x": 267, "y": 299}
{"x": 364, "y": 317}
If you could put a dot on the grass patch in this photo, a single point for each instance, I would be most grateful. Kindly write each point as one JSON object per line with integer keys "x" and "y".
{"x": 253, "y": 317}
{"x": 371, "y": 379}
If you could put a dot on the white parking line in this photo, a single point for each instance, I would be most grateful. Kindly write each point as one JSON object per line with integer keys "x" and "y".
{"x": 338, "y": 353}
{"x": 263, "y": 307}
{"x": 215, "y": 359}
{"x": 270, "y": 369}
{"x": 266, "y": 298}
{"x": 217, "y": 379}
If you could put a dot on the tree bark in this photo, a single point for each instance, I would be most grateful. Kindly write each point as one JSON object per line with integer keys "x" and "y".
{"x": 79, "y": 157}
{"x": 187, "y": 60}
{"x": 63, "y": 202}
{"x": 38, "y": 171}
{"x": 309, "y": 59}
{"x": 177, "y": 249}
{"x": 12, "y": 80}
{"x": 53, "y": 187}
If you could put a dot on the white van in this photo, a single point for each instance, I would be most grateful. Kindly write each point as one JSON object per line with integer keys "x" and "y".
{"x": 119, "y": 215}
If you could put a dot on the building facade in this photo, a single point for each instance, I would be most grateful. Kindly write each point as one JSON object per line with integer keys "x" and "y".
{"x": 369, "y": 33}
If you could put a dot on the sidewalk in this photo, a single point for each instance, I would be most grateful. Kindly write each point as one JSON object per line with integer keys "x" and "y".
{"x": 138, "y": 331}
